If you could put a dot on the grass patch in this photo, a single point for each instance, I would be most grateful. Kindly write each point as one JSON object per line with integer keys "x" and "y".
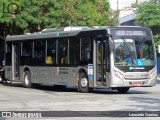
{"x": 158, "y": 75}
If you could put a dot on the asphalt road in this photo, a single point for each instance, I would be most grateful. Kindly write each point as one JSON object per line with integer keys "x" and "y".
{"x": 14, "y": 97}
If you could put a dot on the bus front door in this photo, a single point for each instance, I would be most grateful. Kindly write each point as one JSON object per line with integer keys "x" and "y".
{"x": 16, "y": 61}
{"x": 100, "y": 62}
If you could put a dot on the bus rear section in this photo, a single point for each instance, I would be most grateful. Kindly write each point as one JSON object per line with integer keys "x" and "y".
{"x": 59, "y": 57}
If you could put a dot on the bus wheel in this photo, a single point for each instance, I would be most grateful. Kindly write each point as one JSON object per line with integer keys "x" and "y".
{"x": 27, "y": 79}
{"x": 123, "y": 89}
{"x": 83, "y": 83}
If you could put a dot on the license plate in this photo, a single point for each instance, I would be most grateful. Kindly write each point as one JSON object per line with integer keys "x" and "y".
{"x": 136, "y": 83}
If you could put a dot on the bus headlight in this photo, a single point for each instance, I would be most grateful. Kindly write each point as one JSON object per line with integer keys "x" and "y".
{"x": 118, "y": 74}
{"x": 152, "y": 74}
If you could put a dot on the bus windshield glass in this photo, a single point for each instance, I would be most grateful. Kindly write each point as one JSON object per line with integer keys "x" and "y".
{"x": 134, "y": 52}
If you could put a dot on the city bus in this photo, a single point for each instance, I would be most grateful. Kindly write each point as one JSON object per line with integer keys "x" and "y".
{"x": 118, "y": 58}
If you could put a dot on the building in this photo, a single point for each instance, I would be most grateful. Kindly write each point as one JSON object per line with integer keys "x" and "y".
{"x": 128, "y": 20}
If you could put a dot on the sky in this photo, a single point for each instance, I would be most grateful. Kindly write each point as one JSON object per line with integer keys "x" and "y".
{"x": 124, "y": 6}
{"x": 122, "y": 3}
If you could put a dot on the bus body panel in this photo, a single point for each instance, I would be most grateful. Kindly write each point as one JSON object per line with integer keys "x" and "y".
{"x": 50, "y": 75}
{"x": 137, "y": 79}
{"x": 68, "y": 74}
{"x": 8, "y": 72}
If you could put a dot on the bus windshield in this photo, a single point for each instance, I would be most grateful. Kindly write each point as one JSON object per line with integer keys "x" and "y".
{"x": 134, "y": 52}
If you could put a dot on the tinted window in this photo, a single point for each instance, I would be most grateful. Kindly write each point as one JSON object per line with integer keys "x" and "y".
{"x": 8, "y": 54}
{"x": 86, "y": 47}
{"x": 63, "y": 51}
{"x": 1, "y": 47}
{"x": 51, "y": 52}
{"x": 39, "y": 49}
{"x": 27, "y": 49}
{"x": 74, "y": 50}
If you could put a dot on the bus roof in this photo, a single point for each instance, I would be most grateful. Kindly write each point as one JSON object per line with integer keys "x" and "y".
{"x": 56, "y": 33}
{"x": 67, "y": 32}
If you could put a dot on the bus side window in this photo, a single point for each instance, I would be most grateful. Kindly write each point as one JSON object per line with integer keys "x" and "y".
{"x": 39, "y": 47}
{"x": 8, "y": 54}
{"x": 64, "y": 55}
{"x": 86, "y": 50}
{"x": 27, "y": 49}
{"x": 63, "y": 51}
{"x": 74, "y": 50}
{"x": 51, "y": 52}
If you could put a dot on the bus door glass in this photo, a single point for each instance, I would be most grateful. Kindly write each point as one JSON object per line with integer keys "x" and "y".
{"x": 16, "y": 61}
{"x": 100, "y": 61}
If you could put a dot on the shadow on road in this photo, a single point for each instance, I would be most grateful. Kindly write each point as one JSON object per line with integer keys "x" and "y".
{"x": 145, "y": 103}
{"x": 49, "y": 88}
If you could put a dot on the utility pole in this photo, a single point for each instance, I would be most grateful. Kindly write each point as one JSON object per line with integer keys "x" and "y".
{"x": 136, "y": 1}
{"x": 117, "y": 5}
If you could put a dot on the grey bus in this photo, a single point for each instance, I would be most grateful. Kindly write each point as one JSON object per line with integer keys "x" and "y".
{"x": 85, "y": 57}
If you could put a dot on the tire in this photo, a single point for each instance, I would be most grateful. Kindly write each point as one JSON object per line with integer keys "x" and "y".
{"x": 27, "y": 80}
{"x": 83, "y": 83}
{"x": 123, "y": 89}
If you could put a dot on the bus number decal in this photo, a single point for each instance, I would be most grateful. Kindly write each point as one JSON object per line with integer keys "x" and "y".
{"x": 63, "y": 70}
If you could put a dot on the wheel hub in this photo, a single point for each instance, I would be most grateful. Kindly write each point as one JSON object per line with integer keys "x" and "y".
{"x": 84, "y": 82}
{"x": 27, "y": 80}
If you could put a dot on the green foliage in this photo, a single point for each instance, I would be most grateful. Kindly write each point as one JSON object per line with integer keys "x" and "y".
{"x": 36, "y": 15}
{"x": 148, "y": 14}
{"x": 157, "y": 40}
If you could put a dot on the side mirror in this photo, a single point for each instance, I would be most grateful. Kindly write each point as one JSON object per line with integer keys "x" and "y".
{"x": 111, "y": 44}
{"x": 158, "y": 48}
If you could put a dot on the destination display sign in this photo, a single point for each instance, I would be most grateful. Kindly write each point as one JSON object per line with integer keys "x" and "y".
{"x": 129, "y": 33}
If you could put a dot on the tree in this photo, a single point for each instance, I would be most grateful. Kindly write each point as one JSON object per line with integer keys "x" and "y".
{"x": 34, "y": 15}
{"x": 148, "y": 15}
